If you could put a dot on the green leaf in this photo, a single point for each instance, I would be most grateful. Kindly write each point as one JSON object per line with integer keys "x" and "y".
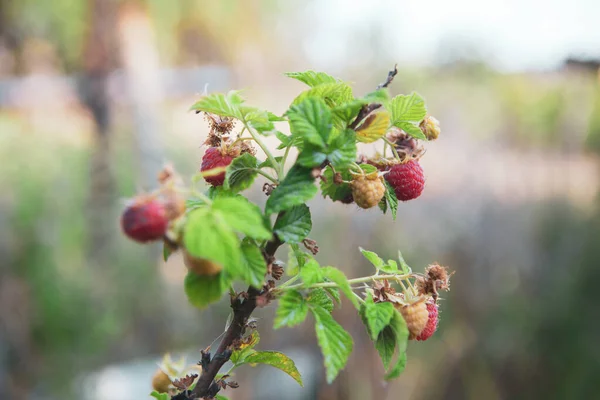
{"x": 400, "y": 330}
{"x": 391, "y": 199}
{"x": 311, "y": 120}
{"x": 318, "y": 297}
{"x": 412, "y": 129}
{"x": 383, "y": 205}
{"x": 296, "y": 259}
{"x": 338, "y": 277}
{"x": 207, "y": 235}
{"x": 311, "y": 156}
{"x": 312, "y": 78}
{"x": 203, "y": 290}
{"x": 346, "y": 112}
{"x": 245, "y": 349}
{"x": 275, "y": 118}
{"x": 297, "y": 188}
{"x": 410, "y": 108}
{"x": 240, "y": 174}
{"x": 311, "y": 272}
{"x": 398, "y": 368}
{"x": 167, "y": 251}
{"x": 227, "y": 105}
{"x": 333, "y": 191}
{"x": 341, "y": 152}
{"x": 391, "y": 267}
{"x": 221, "y": 397}
{"x": 334, "y": 293}
{"x": 403, "y": 265}
{"x": 378, "y": 96}
{"x": 277, "y": 360}
{"x": 377, "y": 316}
{"x": 296, "y": 141}
{"x": 333, "y": 94}
{"x": 292, "y": 309}
{"x": 373, "y": 258}
{"x": 335, "y": 343}
{"x": 215, "y": 192}
{"x": 242, "y": 216}
{"x": 406, "y": 112}
{"x": 258, "y": 119}
{"x": 268, "y": 164}
{"x": 294, "y": 225}
{"x": 385, "y": 345}
{"x": 159, "y": 396}
{"x": 254, "y": 266}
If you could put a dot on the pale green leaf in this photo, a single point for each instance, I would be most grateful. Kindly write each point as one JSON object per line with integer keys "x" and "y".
{"x": 409, "y": 108}
{"x": 227, "y": 105}
{"x": 319, "y": 297}
{"x": 242, "y": 216}
{"x": 373, "y": 258}
{"x": 292, "y": 309}
{"x": 254, "y": 266}
{"x": 312, "y": 78}
{"x": 373, "y": 127}
{"x": 311, "y": 272}
{"x": 338, "y": 277}
{"x": 377, "y": 316}
{"x": 333, "y": 94}
{"x": 160, "y": 396}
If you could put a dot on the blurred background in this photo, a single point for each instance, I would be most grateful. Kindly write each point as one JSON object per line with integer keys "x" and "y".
{"x": 94, "y": 98}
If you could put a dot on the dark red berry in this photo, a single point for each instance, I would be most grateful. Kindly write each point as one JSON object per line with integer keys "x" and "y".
{"x": 407, "y": 180}
{"x": 214, "y": 158}
{"x": 145, "y": 220}
{"x": 432, "y": 322}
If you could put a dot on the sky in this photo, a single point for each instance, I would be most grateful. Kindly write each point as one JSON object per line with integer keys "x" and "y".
{"x": 514, "y": 35}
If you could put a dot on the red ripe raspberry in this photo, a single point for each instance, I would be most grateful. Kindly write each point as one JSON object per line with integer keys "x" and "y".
{"x": 214, "y": 158}
{"x": 145, "y": 220}
{"x": 432, "y": 322}
{"x": 407, "y": 180}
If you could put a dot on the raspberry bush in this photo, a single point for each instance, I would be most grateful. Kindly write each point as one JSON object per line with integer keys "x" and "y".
{"x": 226, "y": 239}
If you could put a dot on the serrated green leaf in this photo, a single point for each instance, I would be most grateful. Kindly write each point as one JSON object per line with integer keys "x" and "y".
{"x": 297, "y": 188}
{"x": 311, "y": 156}
{"x": 227, "y": 105}
{"x": 338, "y": 277}
{"x": 221, "y": 397}
{"x": 207, "y": 235}
{"x": 311, "y": 120}
{"x": 296, "y": 141}
{"x": 385, "y": 346}
{"x": 373, "y": 258}
{"x": 400, "y": 330}
{"x": 403, "y": 265}
{"x": 160, "y": 396}
{"x": 334, "y": 293}
{"x": 292, "y": 309}
{"x": 312, "y": 78}
{"x": 195, "y": 203}
{"x": 311, "y": 272}
{"x": 412, "y": 129}
{"x": 333, "y": 94}
{"x": 203, "y": 290}
{"x": 277, "y": 360}
{"x": 254, "y": 266}
{"x": 333, "y": 191}
{"x": 318, "y": 297}
{"x": 258, "y": 119}
{"x": 373, "y": 127}
{"x": 391, "y": 267}
{"x": 410, "y": 108}
{"x": 377, "y": 316}
{"x": 391, "y": 199}
{"x": 341, "y": 152}
{"x": 242, "y": 216}
{"x": 240, "y": 174}
{"x": 245, "y": 349}
{"x": 407, "y": 111}
{"x": 294, "y": 225}
{"x": 275, "y": 118}
{"x": 215, "y": 192}
{"x": 335, "y": 343}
